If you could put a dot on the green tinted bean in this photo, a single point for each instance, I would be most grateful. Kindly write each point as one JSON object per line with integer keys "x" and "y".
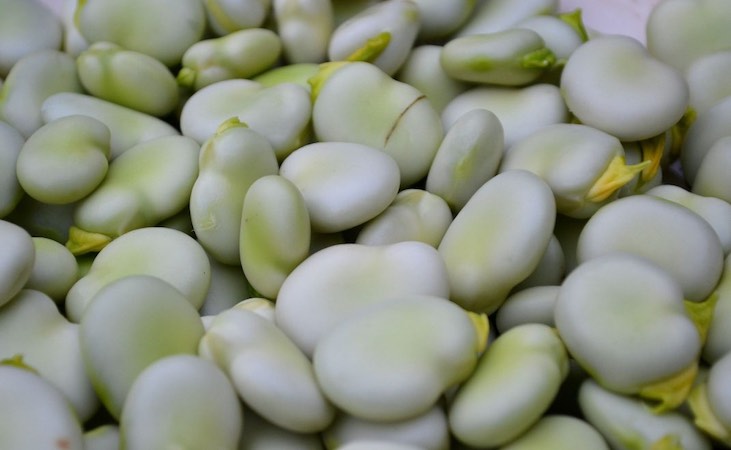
{"x": 181, "y": 399}
{"x": 16, "y": 259}
{"x": 26, "y": 27}
{"x": 229, "y": 163}
{"x": 163, "y": 29}
{"x": 35, "y": 414}
{"x": 339, "y": 281}
{"x": 128, "y": 78}
{"x": 30, "y": 82}
{"x": 10, "y": 190}
{"x": 501, "y": 233}
{"x": 159, "y": 322}
{"x": 32, "y": 326}
{"x": 64, "y": 160}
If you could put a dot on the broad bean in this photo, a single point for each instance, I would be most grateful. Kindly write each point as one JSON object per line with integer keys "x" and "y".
{"x": 626, "y": 422}
{"x": 275, "y": 233}
{"x": 428, "y": 431}
{"x": 150, "y": 182}
{"x": 34, "y": 413}
{"x": 64, "y": 160}
{"x": 16, "y": 259}
{"x": 55, "y": 269}
{"x": 30, "y": 82}
{"x": 230, "y": 161}
{"x": 648, "y": 96}
{"x": 357, "y": 102}
{"x": 384, "y": 33}
{"x": 513, "y": 384}
{"x": 668, "y": 234}
{"x": 709, "y": 127}
{"x": 394, "y": 360}
{"x": 181, "y": 400}
{"x": 623, "y": 320}
{"x": 339, "y": 281}
{"x": 499, "y": 15}
{"x": 128, "y": 78}
{"x": 305, "y": 28}
{"x": 32, "y": 326}
{"x": 10, "y": 191}
{"x": 513, "y": 57}
{"x": 264, "y": 109}
{"x": 414, "y": 215}
{"x": 501, "y": 234}
{"x": 161, "y": 252}
{"x": 423, "y": 70}
{"x": 228, "y": 16}
{"x": 26, "y": 27}
{"x": 559, "y": 432}
{"x": 584, "y": 166}
{"x": 468, "y": 156}
{"x": 530, "y": 305}
{"x": 521, "y": 110}
{"x": 343, "y": 184}
{"x": 270, "y": 374}
{"x": 127, "y": 126}
{"x": 241, "y": 54}
{"x": 163, "y": 29}
{"x": 158, "y": 322}
{"x": 710, "y": 401}
{"x": 680, "y": 31}
{"x": 705, "y": 87}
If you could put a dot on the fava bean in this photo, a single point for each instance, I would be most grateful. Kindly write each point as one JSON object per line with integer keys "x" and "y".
{"x": 128, "y": 78}
{"x": 623, "y": 319}
{"x": 26, "y": 27}
{"x": 687, "y": 248}
{"x": 31, "y": 81}
{"x": 521, "y": 110}
{"x": 16, "y": 260}
{"x": 626, "y": 422}
{"x": 400, "y": 120}
{"x": 428, "y": 431}
{"x": 468, "y": 156}
{"x": 127, "y": 126}
{"x": 241, "y": 54}
{"x": 181, "y": 399}
{"x": 305, "y": 27}
{"x": 263, "y": 109}
{"x": 64, "y": 160}
{"x": 513, "y": 57}
{"x": 35, "y": 414}
{"x": 230, "y": 161}
{"x": 158, "y": 322}
{"x": 558, "y": 432}
{"x": 414, "y": 215}
{"x": 54, "y": 269}
{"x": 395, "y": 359}
{"x": 648, "y": 97}
{"x": 513, "y": 384}
{"x": 10, "y": 190}
{"x": 343, "y": 184}
{"x": 267, "y": 370}
{"x": 163, "y": 29}
{"x": 32, "y": 326}
{"x": 501, "y": 233}
{"x": 339, "y": 281}
{"x": 423, "y": 70}
{"x": 385, "y": 32}
{"x": 275, "y": 233}
{"x": 161, "y": 252}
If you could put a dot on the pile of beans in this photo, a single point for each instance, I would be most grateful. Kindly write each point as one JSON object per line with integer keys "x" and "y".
{"x": 386, "y": 225}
